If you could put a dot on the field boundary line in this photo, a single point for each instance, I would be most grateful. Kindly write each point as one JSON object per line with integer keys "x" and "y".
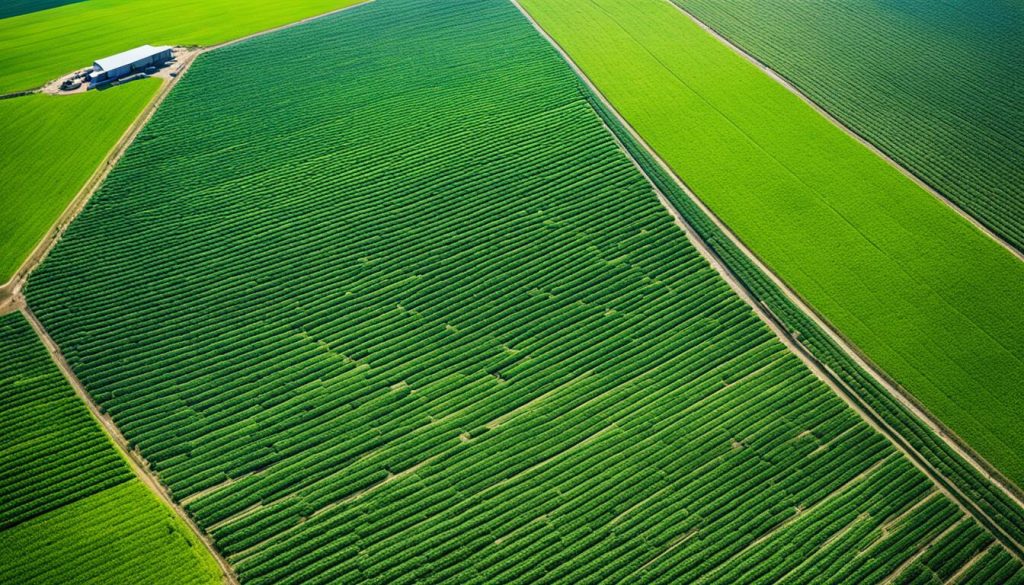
{"x": 137, "y": 463}
{"x": 10, "y": 289}
{"x": 904, "y": 397}
{"x": 15, "y": 94}
{"x": 822, "y": 371}
{"x": 12, "y": 299}
{"x": 204, "y": 48}
{"x": 283, "y": 26}
{"x": 849, "y": 131}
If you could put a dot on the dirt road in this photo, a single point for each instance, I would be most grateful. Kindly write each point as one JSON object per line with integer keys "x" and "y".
{"x": 781, "y": 331}
{"x": 138, "y": 465}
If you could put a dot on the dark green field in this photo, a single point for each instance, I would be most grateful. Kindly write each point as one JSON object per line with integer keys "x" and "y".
{"x": 72, "y": 511}
{"x": 418, "y": 318}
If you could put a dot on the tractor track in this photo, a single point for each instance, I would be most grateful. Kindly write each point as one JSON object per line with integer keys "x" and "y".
{"x": 822, "y": 371}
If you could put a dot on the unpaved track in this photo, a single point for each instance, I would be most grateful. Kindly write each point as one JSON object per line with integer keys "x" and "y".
{"x": 138, "y": 465}
{"x": 12, "y": 287}
{"x": 820, "y": 370}
{"x": 12, "y": 299}
{"x": 850, "y": 132}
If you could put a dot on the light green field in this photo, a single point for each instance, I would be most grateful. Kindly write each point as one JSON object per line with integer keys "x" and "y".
{"x": 51, "y": 145}
{"x": 923, "y": 293}
{"x": 40, "y": 46}
{"x": 120, "y": 535}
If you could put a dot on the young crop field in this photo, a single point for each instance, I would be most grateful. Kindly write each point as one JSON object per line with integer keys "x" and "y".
{"x": 40, "y": 46}
{"x": 925, "y": 295}
{"x": 418, "y": 318}
{"x": 72, "y": 511}
{"x": 51, "y": 146}
{"x": 936, "y": 85}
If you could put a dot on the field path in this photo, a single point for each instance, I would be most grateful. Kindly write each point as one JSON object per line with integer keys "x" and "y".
{"x": 138, "y": 465}
{"x": 12, "y": 299}
{"x": 12, "y": 288}
{"x": 819, "y": 369}
{"x": 850, "y": 132}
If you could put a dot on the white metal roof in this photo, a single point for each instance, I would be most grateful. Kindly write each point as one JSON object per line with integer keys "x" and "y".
{"x": 127, "y": 57}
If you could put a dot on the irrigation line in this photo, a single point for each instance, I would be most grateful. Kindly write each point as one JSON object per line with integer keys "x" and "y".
{"x": 851, "y": 397}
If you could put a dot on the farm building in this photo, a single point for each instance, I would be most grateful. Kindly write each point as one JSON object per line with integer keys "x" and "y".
{"x": 123, "y": 64}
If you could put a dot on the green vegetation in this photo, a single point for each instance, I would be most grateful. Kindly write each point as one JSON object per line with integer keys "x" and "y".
{"x": 120, "y": 535}
{"x": 52, "y": 451}
{"x": 70, "y": 506}
{"x": 38, "y": 47}
{"x": 988, "y": 498}
{"x": 936, "y": 85}
{"x": 16, "y": 7}
{"x": 925, "y": 295}
{"x": 51, "y": 146}
{"x": 435, "y": 326}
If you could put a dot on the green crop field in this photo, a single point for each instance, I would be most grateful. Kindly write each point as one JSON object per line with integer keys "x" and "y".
{"x": 418, "y": 318}
{"x": 71, "y": 509}
{"x": 16, "y": 7}
{"x": 40, "y": 46}
{"x": 51, "y": 146}
{"x": 924, "y": 294}
{"x": 936, "y": 85}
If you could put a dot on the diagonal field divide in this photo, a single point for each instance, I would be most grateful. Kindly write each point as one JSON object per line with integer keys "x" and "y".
{"x": 10, "y": 291}
{"x": 136, "y": 462}
{"x": 12, "y": 299}
{"x": 849, "y": 131}
{"x": 905, "y": 398}
{"x": 822, "y": 371}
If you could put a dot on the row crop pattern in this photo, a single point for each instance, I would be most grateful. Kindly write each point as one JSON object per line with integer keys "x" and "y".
{"x": 51, "y": 451}
{"x": 416, "y": 317}
{"x": 934, "y": 85}
{"x": 992, "y": 501}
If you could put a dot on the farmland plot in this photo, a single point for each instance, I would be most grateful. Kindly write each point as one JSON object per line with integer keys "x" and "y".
{"x": 16, "y": 7}
{"x": 51, "y": 146}
{"x": 926, "y": 296}
{"x": 419, "y": 318}
{"x": 71, "y": 510}
{"x": 41, "y": 46}
{"x": 930, "y": 83}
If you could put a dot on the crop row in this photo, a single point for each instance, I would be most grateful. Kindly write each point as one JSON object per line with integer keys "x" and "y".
{"x": 70, "y": 508}
{"x": 418, "y": 318}
{"x": 53, "y": 452}
{"x": 122, "y": 534}
{"x": 992, "y": 501}
{"x": 918, "y": 82}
